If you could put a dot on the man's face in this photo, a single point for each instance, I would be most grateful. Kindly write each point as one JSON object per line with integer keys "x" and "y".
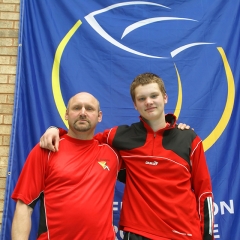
{"x": 149, "y": 101}
{"x": 83, "y": 113}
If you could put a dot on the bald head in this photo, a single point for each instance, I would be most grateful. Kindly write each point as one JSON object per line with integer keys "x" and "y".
{"x": 83, "y": 114}
{"x": 86, "y": 97}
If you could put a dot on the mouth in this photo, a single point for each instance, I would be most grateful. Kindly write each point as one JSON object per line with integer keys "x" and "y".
{"x": 150, "y": 109}
{"x": 82, "y": 121}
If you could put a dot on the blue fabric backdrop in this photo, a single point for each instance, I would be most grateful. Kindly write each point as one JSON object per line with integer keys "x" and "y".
{"x": 99, "y": 46}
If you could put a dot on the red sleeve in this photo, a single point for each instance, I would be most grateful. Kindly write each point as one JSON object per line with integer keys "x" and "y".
{"x": 107, "y": 136}
{"x": 201, "y": 183}
{"x": 31, "y": 180}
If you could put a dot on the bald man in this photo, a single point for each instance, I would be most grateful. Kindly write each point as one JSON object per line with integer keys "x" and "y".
{"x": 75, "y": 185}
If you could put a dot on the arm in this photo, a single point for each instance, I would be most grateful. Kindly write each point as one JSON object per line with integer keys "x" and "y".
{"x": 202, "y": 186}
{"x": 21, "y": 225}
{"x": 104, "y": 137}
{"x": 30, "y": 184}
{"x": 50, "y": 139}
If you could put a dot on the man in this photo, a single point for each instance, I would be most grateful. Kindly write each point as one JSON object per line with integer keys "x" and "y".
{"x": 76, "y": 185}
{"x": 168, "y": 193}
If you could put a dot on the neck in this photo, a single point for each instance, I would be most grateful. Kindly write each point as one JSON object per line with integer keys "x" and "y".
{"x": 81, "y": 135}
{"x": 156, "y": 124}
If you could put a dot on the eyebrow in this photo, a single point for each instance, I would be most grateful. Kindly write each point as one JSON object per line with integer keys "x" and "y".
{"x": 147, "y": 94}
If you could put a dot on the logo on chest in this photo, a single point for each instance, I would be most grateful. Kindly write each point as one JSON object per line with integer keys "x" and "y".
{"x": 152, "y": 163}
{"x": 104, "y": 165}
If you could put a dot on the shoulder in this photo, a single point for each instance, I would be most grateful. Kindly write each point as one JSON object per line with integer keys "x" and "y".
{"x": 130, "y": 137}
{"x": 105, "y": 147}
{"x": 38, "y": 151}
{"x": 123, "y": 132}
{"x": 175, "y": 138}
{"x": 186, "y": 133}
{"x": 108, "y": 152}
{"x": 138, "y": 126}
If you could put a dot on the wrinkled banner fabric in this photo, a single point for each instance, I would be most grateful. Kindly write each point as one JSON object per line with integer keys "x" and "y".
{"x": 100, "y": 46}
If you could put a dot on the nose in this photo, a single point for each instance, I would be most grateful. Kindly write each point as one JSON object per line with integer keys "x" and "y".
{"x": 83, "y": 111}
{"x": 148, "y": 100}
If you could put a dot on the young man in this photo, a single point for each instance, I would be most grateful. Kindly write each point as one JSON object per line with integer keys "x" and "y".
{"x": 76, "y": 185}
{"x": 168, "y": 193}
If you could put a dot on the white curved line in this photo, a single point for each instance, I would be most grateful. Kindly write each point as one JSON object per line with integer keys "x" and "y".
{"x": 180, "y": 49}
{"x": 144, "y": 22}
{"x": 94, "y": 24}
{"x": 125, "y": 4}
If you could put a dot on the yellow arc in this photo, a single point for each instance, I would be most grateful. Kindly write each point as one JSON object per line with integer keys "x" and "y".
{"x": 220, "y": 127}
{"x": 179, "y": 100}
{"x": 207, "y": 142}
{"x": 61, "y": 107}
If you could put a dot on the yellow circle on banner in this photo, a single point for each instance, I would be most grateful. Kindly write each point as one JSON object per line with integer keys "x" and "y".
{"x": 179, "y": 99}
{"x": 57, "y": 94}
{"x": 207, "y": 143}
{"x": 220, "y": 127}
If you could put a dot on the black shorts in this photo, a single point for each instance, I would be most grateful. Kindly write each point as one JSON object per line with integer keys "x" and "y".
{"x": 133, "y": 236}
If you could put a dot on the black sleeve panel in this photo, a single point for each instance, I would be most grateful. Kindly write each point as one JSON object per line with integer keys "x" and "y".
{"x": 42, "y": 223}
{"x": 33, "y": 204}
{"x": 182, "y": 142}
{"x": 208, "y": 219}
{"x": 130, "y": 137}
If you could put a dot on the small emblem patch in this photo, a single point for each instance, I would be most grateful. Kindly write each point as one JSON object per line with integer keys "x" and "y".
{"x": 104, "y": 165}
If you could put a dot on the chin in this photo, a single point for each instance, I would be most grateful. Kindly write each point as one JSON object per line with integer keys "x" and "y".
{"x": 152, "y": 117}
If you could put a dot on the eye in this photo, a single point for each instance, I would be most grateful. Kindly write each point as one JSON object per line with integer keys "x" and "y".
{"x": 154, "y": 96}
{"x": 89, "y": 108}
{"x": 141, "y": 99}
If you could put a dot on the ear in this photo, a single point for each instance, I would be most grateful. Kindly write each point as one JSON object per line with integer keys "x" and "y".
{"x": 99, "y": 116}
{"x": 66, "y": 115}
{"x": 165, "y": 97}
{"x": 135, "y": 106}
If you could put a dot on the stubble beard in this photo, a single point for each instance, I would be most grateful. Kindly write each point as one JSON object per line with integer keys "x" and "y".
{"x": 82, "y": 128}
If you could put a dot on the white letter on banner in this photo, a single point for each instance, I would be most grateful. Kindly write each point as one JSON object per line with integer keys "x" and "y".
{"x": 229, "y": 208}
{"x": 115, "y": 204}
{"x": 216, "y": 231}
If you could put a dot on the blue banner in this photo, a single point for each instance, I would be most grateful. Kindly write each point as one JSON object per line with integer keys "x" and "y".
{"x": 66, "y": 47}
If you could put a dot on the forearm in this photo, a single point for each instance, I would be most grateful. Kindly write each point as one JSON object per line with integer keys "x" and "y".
{"x": 21, "y": 225}
{"x": 207, "y": 218}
